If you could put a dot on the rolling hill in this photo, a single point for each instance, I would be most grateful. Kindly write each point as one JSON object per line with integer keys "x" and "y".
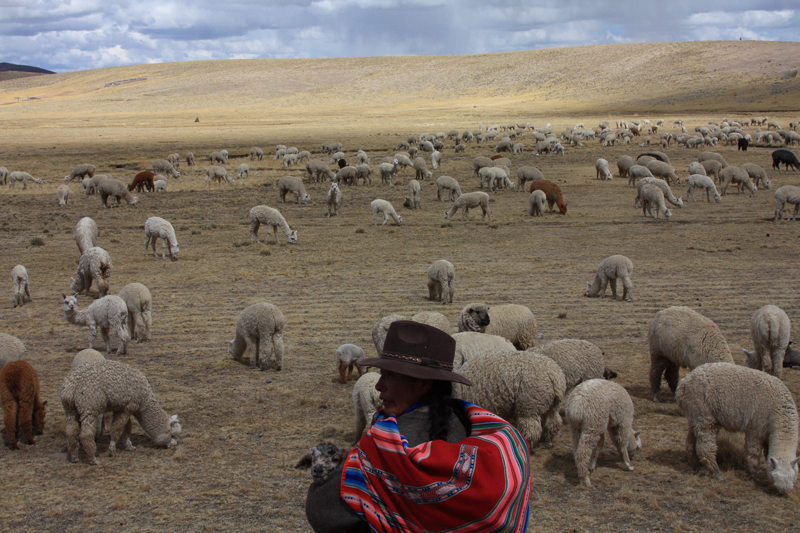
{"x": 620, "y": 78}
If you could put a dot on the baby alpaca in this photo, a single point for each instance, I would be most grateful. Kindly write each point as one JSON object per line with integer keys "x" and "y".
{"x": 19, "y": 276}
{"x": 770, "y": 329}
{"x": 467, "y": 201}
{"x": 441, "y": 275}
{"x": 385, "y": 208}
{"x": 262, "y": 326}
{"x": 157, "y": 228}
{"x": 139, "y": 303}
{"x": 107, "y": 312}
{"x": 536, "y": 203}
{"x": 412, "y": 200}
{"x": 323, "y": 459}
{"x": 272, "y": 219}
{"x": 601, "y": 166}
{"x": 22, "y": 407}
{"x": 699, "y": 181}
{"x": 62, "y": 195}
{"x": 334, "y": 199}
{"x": 610, "y": 269}
{"x": 593, "y": 407}
{"x": 347, "y": 357}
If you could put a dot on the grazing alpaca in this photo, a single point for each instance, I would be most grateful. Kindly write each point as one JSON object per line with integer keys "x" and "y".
{"x": 22, "y": 407}
{"x": 143, "y": 181}
{"x": 552, "y": 193}
{"x": 260, "y": 325}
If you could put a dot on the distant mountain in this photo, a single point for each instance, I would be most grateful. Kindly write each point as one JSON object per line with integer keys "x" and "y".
{"x": 9, "y": 67}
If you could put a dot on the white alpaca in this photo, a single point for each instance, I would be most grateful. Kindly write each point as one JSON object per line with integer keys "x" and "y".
{"x": 157, "y": 228}
{"x": 272, "y": 218}
{"x": 107, "y": 312}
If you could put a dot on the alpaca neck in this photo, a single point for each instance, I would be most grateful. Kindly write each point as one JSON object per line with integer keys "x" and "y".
{"x": 154, "y": 421}
{"x": 238, "y": 346}
{"x": 76, "y": 317}
{"x": 285, "y": 227}
{"x": 594, "y": 289}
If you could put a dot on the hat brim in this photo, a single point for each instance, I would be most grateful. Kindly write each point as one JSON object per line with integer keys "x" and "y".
{"x": 414, "y": 371}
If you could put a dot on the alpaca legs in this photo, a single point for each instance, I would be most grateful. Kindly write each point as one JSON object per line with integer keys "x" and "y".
{"x": 86, "y": 438}
{"x": 73, "y": 445}
{"x": 618, "y": 436}
{"x": 706, "y": 448}
{"x": 583, "y": 453}
{"x": 657, "y": 367}
{"x": 10, "y": 409}
{"x": 277, "y": 345}
{"x": 106, "y": 338}
{"x": 627, "y": 294}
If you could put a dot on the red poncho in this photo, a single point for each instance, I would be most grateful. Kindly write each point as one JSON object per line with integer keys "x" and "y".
{"x": 481, "y": 484}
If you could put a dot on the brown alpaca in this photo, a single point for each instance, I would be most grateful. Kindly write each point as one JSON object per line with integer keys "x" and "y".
{"x": 19, "y": 391}
{"x": 143, "y": 181}
{"x": 552, "y": 192}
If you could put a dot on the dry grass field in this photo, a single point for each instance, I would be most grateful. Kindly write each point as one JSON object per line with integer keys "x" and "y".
{"x": 243, "y": 430}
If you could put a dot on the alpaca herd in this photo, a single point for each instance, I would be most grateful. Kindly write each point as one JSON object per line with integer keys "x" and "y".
{"x": 496, "y": 344}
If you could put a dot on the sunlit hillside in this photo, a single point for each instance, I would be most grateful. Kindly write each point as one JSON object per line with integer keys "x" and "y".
{"x": 661, "y": 77}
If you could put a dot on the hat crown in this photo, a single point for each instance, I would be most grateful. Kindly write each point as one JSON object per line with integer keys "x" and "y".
{"x": 419, "y": 344}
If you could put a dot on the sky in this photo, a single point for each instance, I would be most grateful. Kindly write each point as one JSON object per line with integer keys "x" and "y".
{"x": 69, "y": 35}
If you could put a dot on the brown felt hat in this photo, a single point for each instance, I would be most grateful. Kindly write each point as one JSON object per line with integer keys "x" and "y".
{"x": 418, "y": 350}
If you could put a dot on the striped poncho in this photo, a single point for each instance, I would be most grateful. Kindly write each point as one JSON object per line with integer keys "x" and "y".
{"x": 481, "y": 484}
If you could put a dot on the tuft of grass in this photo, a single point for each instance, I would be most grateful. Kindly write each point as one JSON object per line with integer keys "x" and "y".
{"x": 196, "y": 232}
{"x": 265, "y": 253}
{"x": 37, "y": 241}
{"x": 328, "y": 432}
{"x": 179, "y": 454}
{"x": 243, "y": 242}
{"x": 562, "y": 314}
{"x": 446, "y": 224}
{"x": 494, "y": 226}
{"x": 360, "y": 230}
{"x": 212, "y": 225}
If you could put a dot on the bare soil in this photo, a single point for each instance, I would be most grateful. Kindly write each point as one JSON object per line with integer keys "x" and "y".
{"x": 243, "y": 430}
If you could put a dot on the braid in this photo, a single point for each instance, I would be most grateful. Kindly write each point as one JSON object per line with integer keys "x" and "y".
{"x": 441, "y": 408}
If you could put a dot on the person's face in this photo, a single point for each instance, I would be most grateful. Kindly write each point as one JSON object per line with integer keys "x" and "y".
{"x": 399, "y": 392}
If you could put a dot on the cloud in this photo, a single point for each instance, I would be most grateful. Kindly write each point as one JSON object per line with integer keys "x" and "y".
{"x": 84, "y": 34}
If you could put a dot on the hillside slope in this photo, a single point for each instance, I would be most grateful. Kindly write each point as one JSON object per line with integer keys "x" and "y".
{"x": 687, "y": 76}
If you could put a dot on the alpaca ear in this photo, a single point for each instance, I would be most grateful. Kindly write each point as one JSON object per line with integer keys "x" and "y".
{"x": 64, "y": 295}
{"x": 173, "y": 418}
{"x": 305, "y": 462}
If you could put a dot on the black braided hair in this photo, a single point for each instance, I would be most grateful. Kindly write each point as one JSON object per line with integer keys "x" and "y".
{"x": 441, "y": 407}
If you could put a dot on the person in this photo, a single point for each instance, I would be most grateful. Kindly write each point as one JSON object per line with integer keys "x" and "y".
{"x": 429, "y": 462}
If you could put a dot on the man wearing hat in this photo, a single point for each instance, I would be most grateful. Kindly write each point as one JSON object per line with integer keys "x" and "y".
{"x": 429, "y": 462}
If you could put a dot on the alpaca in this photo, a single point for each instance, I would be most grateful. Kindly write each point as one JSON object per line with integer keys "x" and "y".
{"x": 22, "y": 407}
{"x": 107, "y": 312}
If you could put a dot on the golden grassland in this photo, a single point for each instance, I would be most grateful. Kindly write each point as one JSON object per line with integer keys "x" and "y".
{"x": 243, "y": 430}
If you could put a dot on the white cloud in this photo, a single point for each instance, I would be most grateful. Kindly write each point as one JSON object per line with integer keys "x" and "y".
{"x": 82, "y": 34}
